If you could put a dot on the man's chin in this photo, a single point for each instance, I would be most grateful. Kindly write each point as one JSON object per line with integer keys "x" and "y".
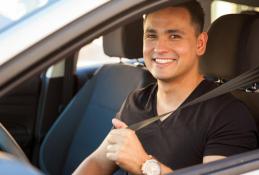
{"x": 165, "y": 76}
{"x": 165, "y": 79}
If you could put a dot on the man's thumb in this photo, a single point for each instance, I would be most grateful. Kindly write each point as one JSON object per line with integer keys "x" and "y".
{"x": 118, "y": 124}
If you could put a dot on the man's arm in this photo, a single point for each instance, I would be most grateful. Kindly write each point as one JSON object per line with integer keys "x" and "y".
{"x": 207, "y": 159}
{"x": 233, "y": 132}
{"x": 125, "y": 149}
{"x": 97, "y": 162}
{"x": 121, "y": 147}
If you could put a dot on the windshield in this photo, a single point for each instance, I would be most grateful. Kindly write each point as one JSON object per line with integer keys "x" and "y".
{"x": 25, "y": 22}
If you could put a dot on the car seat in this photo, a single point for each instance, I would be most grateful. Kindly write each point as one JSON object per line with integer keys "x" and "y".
{"x": 87, "y": 119}
{"x": 231, "y": 50}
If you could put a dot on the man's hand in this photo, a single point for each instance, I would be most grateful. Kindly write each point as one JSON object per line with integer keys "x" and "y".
{"x": 125, "y": 149}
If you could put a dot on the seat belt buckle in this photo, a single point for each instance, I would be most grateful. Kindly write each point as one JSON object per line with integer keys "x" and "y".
{"x": 253, "y": 89}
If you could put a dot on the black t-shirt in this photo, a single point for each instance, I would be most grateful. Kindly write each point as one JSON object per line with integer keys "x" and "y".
{"x": 219, "y": 126}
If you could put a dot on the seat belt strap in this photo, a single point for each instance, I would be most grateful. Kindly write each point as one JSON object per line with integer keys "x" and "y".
{"x": 239, "y": 82}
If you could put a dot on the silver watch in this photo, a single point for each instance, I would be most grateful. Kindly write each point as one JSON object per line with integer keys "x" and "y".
{"x": 151, "y": 167}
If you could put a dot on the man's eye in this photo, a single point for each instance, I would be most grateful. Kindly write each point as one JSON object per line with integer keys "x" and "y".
{"x": 150, "y": 36}
{"x": 175, "y": 36}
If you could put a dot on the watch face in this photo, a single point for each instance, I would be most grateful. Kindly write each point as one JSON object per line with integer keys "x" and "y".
{"x": 151, "y": 167}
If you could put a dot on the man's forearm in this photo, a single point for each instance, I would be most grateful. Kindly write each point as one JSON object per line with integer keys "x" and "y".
{"x": 165, "y": 169}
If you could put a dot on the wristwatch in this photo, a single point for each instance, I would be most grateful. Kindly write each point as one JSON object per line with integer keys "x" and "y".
{"x": 151, "y": 167}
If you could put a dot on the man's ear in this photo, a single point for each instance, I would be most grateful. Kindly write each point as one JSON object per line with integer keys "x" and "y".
{"x": 202, "y": 43}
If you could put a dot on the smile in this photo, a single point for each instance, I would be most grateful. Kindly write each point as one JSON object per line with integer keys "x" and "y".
{"x": 164, "y": 60}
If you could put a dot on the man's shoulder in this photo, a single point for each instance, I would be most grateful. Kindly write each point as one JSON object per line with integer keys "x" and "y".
{"x": 226, "y": 104}
{"x": 222, "y": 100}
{"x": 227, "y": 108}
{"x": 227, "y": 100}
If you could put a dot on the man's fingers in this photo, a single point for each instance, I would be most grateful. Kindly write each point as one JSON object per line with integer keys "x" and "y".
{"x": 111, "y": 156}
{"x": 112, "y": 148}
{"x": 118, "y": 124}
{"x": 111, "y": 139}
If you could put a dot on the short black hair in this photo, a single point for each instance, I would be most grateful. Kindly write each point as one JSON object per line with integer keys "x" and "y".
{"x": 196, "y": 13}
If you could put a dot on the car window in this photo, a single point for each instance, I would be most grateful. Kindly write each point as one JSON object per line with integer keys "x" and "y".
{"x": 88, "y": 54}
{"x": 93, "y": 54}
{"x": 219, "y": 8}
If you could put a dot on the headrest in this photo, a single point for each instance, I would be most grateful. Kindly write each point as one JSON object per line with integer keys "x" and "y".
{"x": 252, "y": 48}
{"x": 126, "y": 41}
{"x": 231, "y": 48}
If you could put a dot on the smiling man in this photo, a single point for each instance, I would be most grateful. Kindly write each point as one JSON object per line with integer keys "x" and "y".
{"x": 208, "y": 131}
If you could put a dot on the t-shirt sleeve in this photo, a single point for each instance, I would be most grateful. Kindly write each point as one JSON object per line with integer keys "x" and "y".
{"x": 232, "y": 131}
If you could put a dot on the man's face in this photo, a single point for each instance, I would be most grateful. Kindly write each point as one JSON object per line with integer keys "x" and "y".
{"x": 171, "y": 46}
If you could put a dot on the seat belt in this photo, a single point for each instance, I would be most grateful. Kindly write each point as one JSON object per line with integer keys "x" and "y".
{"x": 244, "y": 80}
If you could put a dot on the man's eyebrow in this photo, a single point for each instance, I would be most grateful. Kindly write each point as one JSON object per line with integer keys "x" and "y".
{"x": 173, "y": 31}
{"x": 149, "y": 30}
{"x": 169, "y": 31}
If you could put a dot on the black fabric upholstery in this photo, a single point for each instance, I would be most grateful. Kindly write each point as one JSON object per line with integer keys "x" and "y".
{"x": 232, "y": 49}
{"x": 87, "y": 119}
{"x": 251, "y": 60}
{"x": 126, "y": 41}
{"x": 252, "y": 48}
{"x": 220, "y": 59}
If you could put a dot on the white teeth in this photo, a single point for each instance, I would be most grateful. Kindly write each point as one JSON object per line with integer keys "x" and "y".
{"x": 164, "y": 60}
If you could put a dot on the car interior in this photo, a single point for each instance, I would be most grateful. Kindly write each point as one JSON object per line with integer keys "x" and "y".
{"x": 99, "y": 101}
{"x": 58, "y": 131}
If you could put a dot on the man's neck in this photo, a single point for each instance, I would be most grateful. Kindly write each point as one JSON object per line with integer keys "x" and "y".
{"x": 172, "y": 94}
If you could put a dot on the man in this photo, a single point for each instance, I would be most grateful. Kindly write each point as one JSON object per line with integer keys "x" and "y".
{"x": 208, "y": 131}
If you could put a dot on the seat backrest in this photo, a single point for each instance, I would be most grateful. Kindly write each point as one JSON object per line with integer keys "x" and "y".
{"x": 251, "y": 60}
{"x": 87, "y": 119}
{"x": 232, "y": 49}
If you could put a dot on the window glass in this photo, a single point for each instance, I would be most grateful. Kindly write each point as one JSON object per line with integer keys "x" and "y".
{"x": 93, "y": 54}
{"x": 33, "y": 20}
{"x": 219, "y": 8}
{"x": 13, "y": 10}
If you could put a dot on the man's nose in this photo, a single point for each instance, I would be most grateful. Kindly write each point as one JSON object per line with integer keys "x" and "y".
{"x": 161, "y": 46}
